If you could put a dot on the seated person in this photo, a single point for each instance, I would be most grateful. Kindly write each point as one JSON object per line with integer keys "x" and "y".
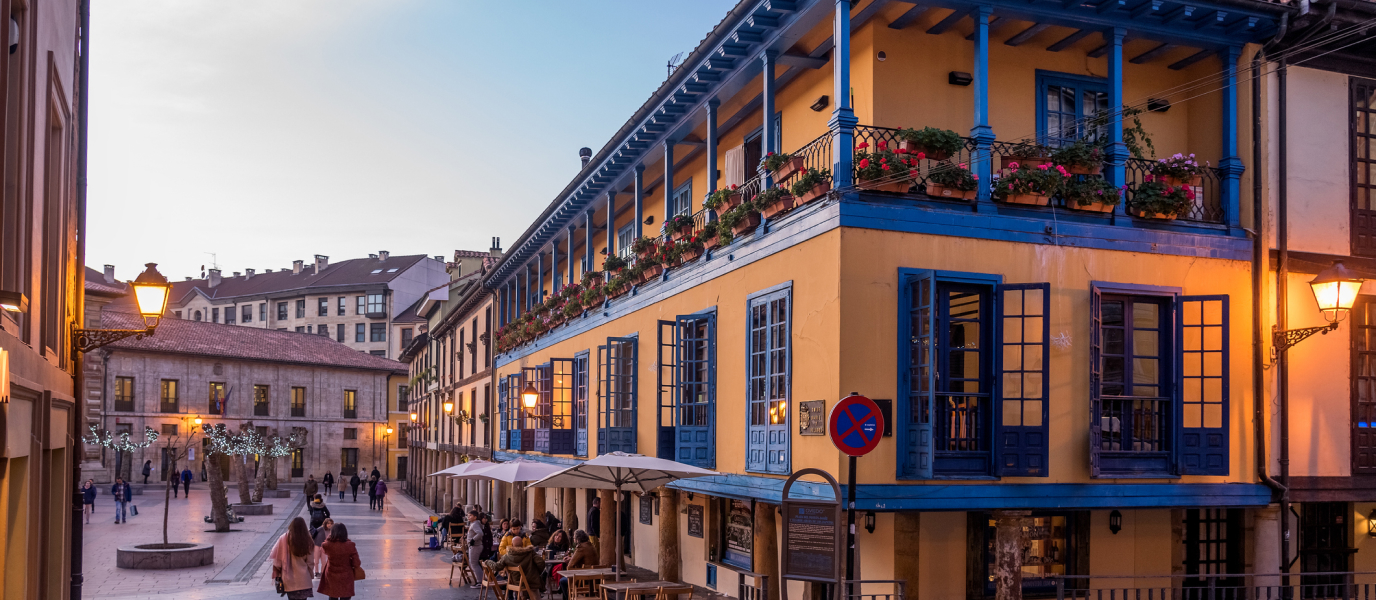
{"x": 583, "y": 557}
{"x": 558, "y": 541}
{"x": 539, "y": 536}
{"x": 513, "y": 530}
{"x": 523, "y": 556}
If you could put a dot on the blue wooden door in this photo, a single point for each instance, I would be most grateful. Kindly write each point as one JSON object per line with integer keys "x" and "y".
{"x": 768, "y": 375}
{"x": 1202, "y": 378}
{"x": 666, "y": 388}
{"x": 697, "y": 361}
{"x": 617, "y": 415}
{"x": 503, "y": 390}
{"x": 1021, "y": 437}
{"x": 580, "y": 403}
{"x": 918, "y": 344}
{"x": 1096, "y": 378}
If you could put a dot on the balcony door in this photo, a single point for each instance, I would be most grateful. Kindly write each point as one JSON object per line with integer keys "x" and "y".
{"x": 1363, "y": 169}
{"x": 1065, "y": 105}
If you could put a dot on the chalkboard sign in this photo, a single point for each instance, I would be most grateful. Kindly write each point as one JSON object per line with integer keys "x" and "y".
{"x": 647, "y": 509}
{"x": 695, "y": 520}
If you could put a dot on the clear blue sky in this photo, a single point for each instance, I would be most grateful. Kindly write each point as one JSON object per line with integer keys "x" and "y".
{"x": 266, "y": 131}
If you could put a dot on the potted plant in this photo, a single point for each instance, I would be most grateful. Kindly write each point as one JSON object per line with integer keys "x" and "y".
{"x": 782, "y": 164}
{"x": 739, "y": 220}
{"x": 1178, "y": 170}
{"x": 813, "y": 184}
{"x": 718, "y": 200}
{"x": 1080, "y": 158}
{"x": 693, "y": 246}
{"x": 883, "y": 170}
{"x": 933, "y": 143}
{"x": 643, "y": 246}
{"x": 613, "y": 264}
{"x": 710, "y": 235}
{"x": 1024, "y": 153}
{"x": 679, "y": 226}
{"x": 1029, "y": 185}
{"x": 572, "y": 309}
{"x": 1091, "y": 195}
{"x": 955, "y": 182}
{"x": 1157, "y": 199}
{"x": 734, "y": 198}
{"x": 773, "y": 201}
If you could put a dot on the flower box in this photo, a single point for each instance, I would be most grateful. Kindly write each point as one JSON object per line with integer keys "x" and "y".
{"x": 1094, "y": 207}
{"x": 788, "y": 169}
{"x": 1195, "y": 181}
{"x": 1082, "y": 170}
{"x": 900, "y": 187}
{"x": 732, "y": 201}
{"x": 653, "y": 272}
{"x": 747, "y": 224}
{"x": 914, "y": 148}
{"x": 712, "y": 243}
{"x": 681, "y": 232}
{"x": 816, "y": 192}
{"x": 1028, "y": 161}
{"x": 617, "y": 293}
{"x": 941, "y": 191}
{"x": 692, "y": 253}
{"x": 782, "y": 204}
{"x": 1158, "y": 216}
{"x": 1028, "y": 199}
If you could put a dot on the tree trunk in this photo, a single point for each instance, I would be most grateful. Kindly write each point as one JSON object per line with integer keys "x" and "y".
{"x": 219, "y": 496}
{"x": 261, "y": 480}
{"x": 245, "y": 489}
{"x": 272, "y": 472}
{"x": 167, "y": 505}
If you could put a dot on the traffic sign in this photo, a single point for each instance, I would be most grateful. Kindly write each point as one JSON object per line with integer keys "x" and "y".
{"x": 856, "y": 425}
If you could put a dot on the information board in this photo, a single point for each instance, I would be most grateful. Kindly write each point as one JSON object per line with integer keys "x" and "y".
{"x": 695, "y": 520}
{"x": 813, "y": 532}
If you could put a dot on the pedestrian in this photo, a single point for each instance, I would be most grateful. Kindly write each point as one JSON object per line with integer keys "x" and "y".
{"x": 381, "y": 493}
{"x": 291, "y": 560}
{"x": 311, "y": 488}
{"x": 372, "y": 493}
{"x": 354, "y": 482}
{"x": 595, "y": 522}
{"x": 147, "y": 470}
{"x": 88, "y": 499}
{"x": 203, "y": 474}
{"x": 328, "y": 480}
{"x": 320, "y": 534}
{"x": 375, "y": 474}
{"x": 186, "y": 483}
{"x": 342, "y": 565}
{"x": 475, "y": 545}
{"x": 123, "y": 495}
{"x": 319, "y": 512}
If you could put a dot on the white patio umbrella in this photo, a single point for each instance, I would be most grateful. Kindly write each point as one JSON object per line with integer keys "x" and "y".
{"x": 516, "y": 471}
{"x": 462, "y": 469}
{"x": 624, "y": 473}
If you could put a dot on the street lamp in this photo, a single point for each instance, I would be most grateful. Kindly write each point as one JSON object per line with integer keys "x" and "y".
{"x": 529, "y": 396}
{"x": 449, "y": 407}
{"x": 151, "y": 291}
{"x": 1335, "y": 290}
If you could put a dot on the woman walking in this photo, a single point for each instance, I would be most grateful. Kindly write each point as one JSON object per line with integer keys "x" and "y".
{"x": 381, "y": 491}
{"x": 372, "y": 493}
{"x": 88, "y": 499}
{"x": 341, "y": 564}
{"x": 292, "y": 559}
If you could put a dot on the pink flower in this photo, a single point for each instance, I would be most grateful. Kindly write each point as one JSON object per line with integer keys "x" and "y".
{"x": 1189, "y": 193}
{"x": 1010, "y": 186}
{"x": 1149, "y": 179}
{"x": 1041, "y": 167}
{"x": 864, "y": 162}
{"x": 962, "y": 165}
{"x": 976, "y": 177}
{"x": 1013, "y": 165}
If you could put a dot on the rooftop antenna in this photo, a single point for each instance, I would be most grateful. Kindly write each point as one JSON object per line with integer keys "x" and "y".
{"x": 214, "y": 264}
{"x": 674, "y": 62}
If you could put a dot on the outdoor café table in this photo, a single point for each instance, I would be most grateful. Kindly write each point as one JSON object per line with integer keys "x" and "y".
{"x": 633, "y": 589}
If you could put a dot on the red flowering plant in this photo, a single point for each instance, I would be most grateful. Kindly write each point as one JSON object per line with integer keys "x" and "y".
{"x": 1091, "y": 190}
{"x": 613, "y": 264}
{"x": 956, "y": 177}
{"x": 1020, "y": 179}
{"x": 776, "y": 160}
{"x": 1155, "y": 196}
{"x": 643, "y": 246}
{"x": 676, "y": 223}
{"x": 886, "y": 164}
{"x": 718, "y": 198}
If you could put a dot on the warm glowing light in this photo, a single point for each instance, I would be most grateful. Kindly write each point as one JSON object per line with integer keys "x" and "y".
{"x": 448, "y": 407}
{"x": 529, "y": 396}
{"x": 414, "y": 416}
{"x": 151, "y": 290}
{"x": 196, "y": 420}
{"x": 389, "y": 431}
{"x": 14, "y": 301}
{"x": 1335, "y": 290}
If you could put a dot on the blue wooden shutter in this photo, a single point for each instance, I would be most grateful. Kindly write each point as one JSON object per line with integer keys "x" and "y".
{"x": 523, "y": 438}
{"x": 619, "y": 407}
{"x": 502, "y": 391}
{"x": 697, "y": 359}
{"x": 580, "y": 403}
{"x": 603, "y": 393}
{"x": 1023, "y": 390}
{"x": 916, "y": 349}
{"x": 1096, "y": 369}
{"x": 1202, "y": 381}
{"x": 666, "y": 375}
{"x": 767, "y": 378}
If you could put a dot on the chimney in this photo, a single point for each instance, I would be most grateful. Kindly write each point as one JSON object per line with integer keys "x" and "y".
{"x": 585, "y": 154}
{"x": 267, "y": 270}
{"x": 248, "y": 273}
{"x": 296, "y": 266}
{"x": 496, "y": 249}
{"x": 321, "y": 261}
{"x": 236, "y": 273}
{"x": 439, "y": 258}
{"x": 372, "y": 256}
{"x": 383, "y": 254}
{"x": 109, "y": 273}
{"x": 188, "y": 279}
{"x": 214, "y": 277}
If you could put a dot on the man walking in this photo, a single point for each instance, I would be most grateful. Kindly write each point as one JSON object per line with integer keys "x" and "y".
{"x": 186, "y": 482}
{"x": 328, "y": 480}
{"x": 372, "y": 493}
{"x": 123, "y": 495}
{"x": 354, "y": 482}
{"x": 475, "y": 545}
{"x": 312, "y": 487}
{"x": 595, "y": 521}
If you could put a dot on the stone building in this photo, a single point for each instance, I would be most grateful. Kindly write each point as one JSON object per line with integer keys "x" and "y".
{"x": 278, "y": 380}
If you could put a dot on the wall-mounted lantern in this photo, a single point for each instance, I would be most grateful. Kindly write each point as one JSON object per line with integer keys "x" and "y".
{"x": 869, "y": 521}
{"x": 1115, "y": 522}
{"x": 1335, "y": 290}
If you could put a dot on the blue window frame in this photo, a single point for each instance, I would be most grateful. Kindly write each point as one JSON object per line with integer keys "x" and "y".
{"x": 974, "y": 353}
{"x": 616, "y": 419}
{"x": 1065, "y": 102}
{"x": 768, "y": 380}
{"x": 1158, "y": 383}
{"x": 624, "y": 238}
{"x": 683, "y": 198}
{"x": 503, "y": 396}
{"x": 515, "y": 414}
{"x": 580, "y": 403}
{"x": 687, "y": 389}
{"x": 552, "y": 417}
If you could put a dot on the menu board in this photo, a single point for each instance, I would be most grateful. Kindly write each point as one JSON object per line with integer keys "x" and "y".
{"x": 695, "y": 520}
{"x": 647, "y": 509}
{"x": 810, "y": 534}
{"x": 740, "y": 534}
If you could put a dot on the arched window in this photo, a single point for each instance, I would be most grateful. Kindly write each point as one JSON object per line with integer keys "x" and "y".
{"x": 198, "y": 315}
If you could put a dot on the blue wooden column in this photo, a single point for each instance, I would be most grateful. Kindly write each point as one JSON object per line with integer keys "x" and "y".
{"x": 843, "y": 120}
{"x": 588, "y": 256}
{"x": 1116, "y": 153}
{"x": 569, "y": 257}
{"x": 540, "y": 277}
{"x": 712, "y": 105}
{"x": 501, "y": 306}
{"x": 611, "y": 223}
{"x": 767, "y": 142}
{"x": 639, "y": 192}
{"x": 1230, "y": 166}
{"x": 668, "y": 180}
{"x": 982, "y": 133}
{"x": 555, "y": 277}
{"x": 525, "y": 297}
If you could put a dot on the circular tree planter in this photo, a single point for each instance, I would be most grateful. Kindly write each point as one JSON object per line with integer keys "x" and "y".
{"x": 164, "y": 556}
{"x": 255, "y": 509}
{"x": 277, "y": 494}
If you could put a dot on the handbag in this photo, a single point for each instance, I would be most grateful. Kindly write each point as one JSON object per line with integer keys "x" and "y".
{"x": 279, "y": 586}
{"x": 359, "y": 574}
{"x": 134, "y": 509}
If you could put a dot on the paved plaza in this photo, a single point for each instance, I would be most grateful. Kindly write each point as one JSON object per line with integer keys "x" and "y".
{"x": 386, "y": 540}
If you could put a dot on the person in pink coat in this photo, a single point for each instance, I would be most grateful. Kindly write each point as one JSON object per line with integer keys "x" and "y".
{"x": 293, "y": 560}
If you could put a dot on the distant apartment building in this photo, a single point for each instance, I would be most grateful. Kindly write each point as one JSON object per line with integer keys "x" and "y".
{"x": 355, "y": 302}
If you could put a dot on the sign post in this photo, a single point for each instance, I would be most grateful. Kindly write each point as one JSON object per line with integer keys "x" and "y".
{"x": 855, "y": 428}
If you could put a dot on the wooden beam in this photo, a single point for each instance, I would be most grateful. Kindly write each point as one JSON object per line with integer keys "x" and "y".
{"x": 1151, "y": 54}
{"x": 950, "y": 21}
{"x": 1027, "y": 34}
{"x": 1110, "y": 5}
{"x": 1150, "y": 7}
{"x": 1069, "y": 40}
{"x": 993, "y": 21}
{"x": 910, "y": 17}
{"x": 870, "y": 12}
{"x": 1193, "y": 58}
{"x": 800, "y": 60}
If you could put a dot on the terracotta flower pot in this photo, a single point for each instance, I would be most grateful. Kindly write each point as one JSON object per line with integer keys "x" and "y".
{"x": 746, "y": 225}
{"x": 711, "y": 243}
{"x": 1031, "y": 161}
{"x": 652, "y": 273}
{"x": 1082, "y": 170}
{"x": 914, "y": 147}
{"x": 1195, "y": 181}
{"x": 1027, "y": 199}
{"x": 941, "y": 191}
{"x": 789, "y": 168}
{"x": 732, "y": 201}
{"x": 1157, "y": 216}
{"x": 816, "y": 192}
{"x": 1094, "y": 207}
{"x": 900, "y": 187}
{"x": 780, "y": 205}
{"x": 692, "y": 254}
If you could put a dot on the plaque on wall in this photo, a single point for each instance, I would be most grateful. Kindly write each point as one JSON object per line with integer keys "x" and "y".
{"x": 812, "y": 417}
{"x": 647, "y": 509}
{"x": 695, "y": 520}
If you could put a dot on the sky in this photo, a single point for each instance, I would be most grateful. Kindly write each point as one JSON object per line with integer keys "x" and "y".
{"x": 267, "y": 131}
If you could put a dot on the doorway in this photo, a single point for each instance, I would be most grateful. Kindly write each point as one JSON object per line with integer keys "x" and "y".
{"x": 1325, "y": 547}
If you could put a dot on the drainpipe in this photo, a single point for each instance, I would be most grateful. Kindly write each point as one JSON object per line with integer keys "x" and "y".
{"x": 79, "y": 410}
{"x": 1282, "y": 273}
{"x": 1258, "y": 283}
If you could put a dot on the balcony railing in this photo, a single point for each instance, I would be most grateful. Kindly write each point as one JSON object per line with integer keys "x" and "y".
{"x": 1248, "y": 586}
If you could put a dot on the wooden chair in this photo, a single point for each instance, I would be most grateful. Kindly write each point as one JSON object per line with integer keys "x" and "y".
{"x": 674, "y": 593}
{"x": 490, "y": 583}
{"x": 585, "y": 587}
{"x": 460, "y": 562}
{"x": 516, "y": 581}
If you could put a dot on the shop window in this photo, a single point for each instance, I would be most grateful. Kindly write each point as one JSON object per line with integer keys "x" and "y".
{"x": 1054, "y": 544}
{"x": 1213, "y": 546}
{"x": 617, "y": 418}
{"x": 687, "y": 389}
{"x": 1325, "y": 548}
{"x": 736, "y": 523}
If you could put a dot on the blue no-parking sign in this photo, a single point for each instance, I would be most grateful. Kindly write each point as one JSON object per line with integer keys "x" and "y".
{"x": 856, "y": 425}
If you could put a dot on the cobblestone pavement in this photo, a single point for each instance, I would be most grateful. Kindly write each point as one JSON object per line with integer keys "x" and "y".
{"x": 387, "y": 542}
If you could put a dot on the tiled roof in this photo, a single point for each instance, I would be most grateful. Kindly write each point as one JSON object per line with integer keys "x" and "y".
{"x": 199, "y": 338}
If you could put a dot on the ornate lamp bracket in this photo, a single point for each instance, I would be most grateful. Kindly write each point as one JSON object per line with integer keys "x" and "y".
{"x": 1283, "y": 340}
{"x": 86, "y": 340}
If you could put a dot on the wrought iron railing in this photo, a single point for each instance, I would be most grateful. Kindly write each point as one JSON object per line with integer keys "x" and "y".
{"x": 816, "y": 154}
{"x": 1132, "y": 424}
{"x": 1248, "y": 586}
{"x": 875, "y": 589}
{"x": 1207, "y": 206}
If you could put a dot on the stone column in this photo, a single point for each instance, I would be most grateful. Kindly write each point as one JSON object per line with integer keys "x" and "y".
{"x": 766, "y": 547}
{"x": 1266, "y": 550}
{"x": 499, "y": 505}
{"x": 669, "y": 561}
{"x": 607, "y": 537}
{"x": 537, "y": 503}
{"x": 1008, "y": 538}
{"x": 570, "y": 509}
